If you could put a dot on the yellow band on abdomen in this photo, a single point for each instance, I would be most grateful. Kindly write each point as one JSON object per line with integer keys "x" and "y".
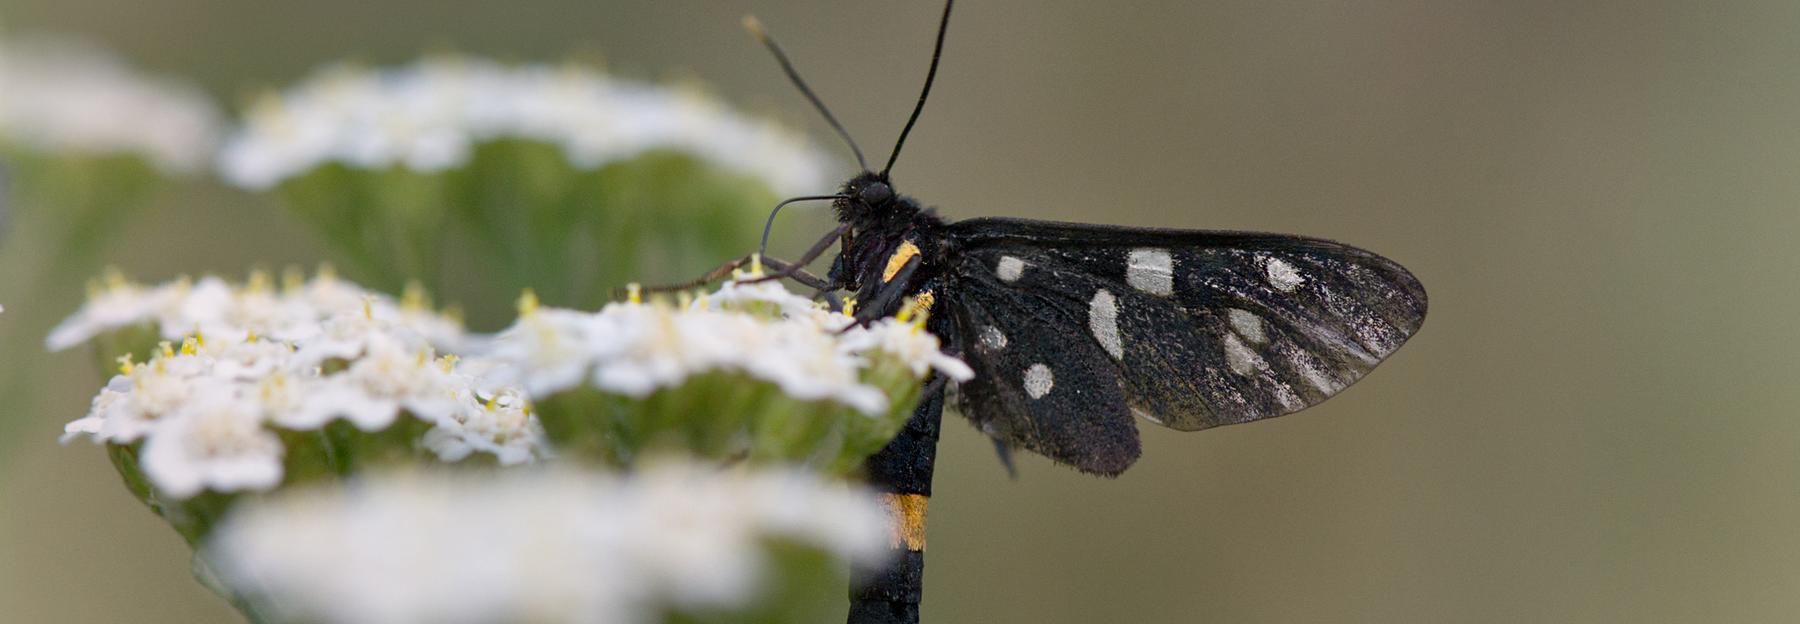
{"x": 906, "y": 520}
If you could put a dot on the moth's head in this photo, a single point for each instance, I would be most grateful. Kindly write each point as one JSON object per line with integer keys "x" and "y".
{"x": 866, "y": 197}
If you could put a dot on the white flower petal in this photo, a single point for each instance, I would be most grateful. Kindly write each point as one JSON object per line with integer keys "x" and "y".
{"x": 218, "y": 443}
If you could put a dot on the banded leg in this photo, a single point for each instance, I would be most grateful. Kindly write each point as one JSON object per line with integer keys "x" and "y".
{"x": 796, "y": 269}
{"x": 812, "y": 253}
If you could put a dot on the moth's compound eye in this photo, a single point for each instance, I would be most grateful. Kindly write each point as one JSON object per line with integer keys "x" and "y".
{"x": 875, "y": 193}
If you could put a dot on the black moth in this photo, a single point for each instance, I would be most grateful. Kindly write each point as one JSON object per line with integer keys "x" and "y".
{"x": 1072, "y": 329}
{"x": 1075, "y": 330}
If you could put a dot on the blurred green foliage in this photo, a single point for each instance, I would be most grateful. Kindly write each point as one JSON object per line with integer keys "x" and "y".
{"x": 726, "y": 417}
{"x": 78, "y": 202}
{"x": 519, "y": 215}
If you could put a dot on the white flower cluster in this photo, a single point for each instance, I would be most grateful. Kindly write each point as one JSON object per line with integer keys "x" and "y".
{"x": 209, "y": 412}
{"x": 759, "y": 329}
{"x": 428, "y": 117}
{"x": 61, "y": 96}
{"x": 535, "y": 546}
{"x": 294, "y": 312}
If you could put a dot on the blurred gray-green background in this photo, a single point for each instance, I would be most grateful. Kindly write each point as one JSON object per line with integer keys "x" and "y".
{"x": 1597, "y": 422}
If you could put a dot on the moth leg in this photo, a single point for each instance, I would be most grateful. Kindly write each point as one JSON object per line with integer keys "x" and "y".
{"x": 884, "y": 298}
{"x": 714, "y": 275}
{"x": 796, "y": 273}
{"x": 1004, "y": 452}
{"x": 799, "y": 265}
{"x": 783, "y": 269}
{"x": 796, "y": 270}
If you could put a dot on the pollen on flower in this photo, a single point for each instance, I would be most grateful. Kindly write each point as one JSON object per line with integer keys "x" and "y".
{"x": 294, "y": 278}
{"x": 113, "y": 279}
{"x": 258, "y": 281}
{"x": 414, "y": 297}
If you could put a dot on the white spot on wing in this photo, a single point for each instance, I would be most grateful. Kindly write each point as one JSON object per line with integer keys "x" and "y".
{"x": 1248, "y": 325}
{"x": 1103, "y": 323}
{"x": 991, "y": 338}
{"x": 1243, "y": 361}
{"x": 1010, "y": 268}
{"x": 1282, "y": 275}
{"x": 1038, "y": 381}
{"x": 1151, "y": 271}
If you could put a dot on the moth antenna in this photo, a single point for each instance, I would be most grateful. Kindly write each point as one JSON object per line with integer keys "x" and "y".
{"x": 930, "y": 74}
{"x": 756, "y": 30}
{"x": 763, "y": 249}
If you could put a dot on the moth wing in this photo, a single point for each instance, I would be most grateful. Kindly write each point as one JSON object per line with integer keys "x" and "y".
{"x": 1203, "y": 328}
{"x": 1038, "y": 384}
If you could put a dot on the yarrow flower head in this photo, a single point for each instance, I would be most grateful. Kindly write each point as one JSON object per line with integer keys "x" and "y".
{"x": 238, "y": 408}
{"x": 542, "y": 546}
{"x": 758, "y": 328}
{"x": 281, "y": 394}
{"x": 563, "y": 179}
{"x": 59, "y": 96}
{"x": 428, "y": 117}
{"x": 753, "y": 368}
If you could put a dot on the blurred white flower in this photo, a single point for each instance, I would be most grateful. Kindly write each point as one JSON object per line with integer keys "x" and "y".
{"x": 761, "y": 330}
{"x": 535, "y": 546}
{"x": 428, "y": 116}
{"x": 63, "y": 96}
{"x": 298, "y": 312}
